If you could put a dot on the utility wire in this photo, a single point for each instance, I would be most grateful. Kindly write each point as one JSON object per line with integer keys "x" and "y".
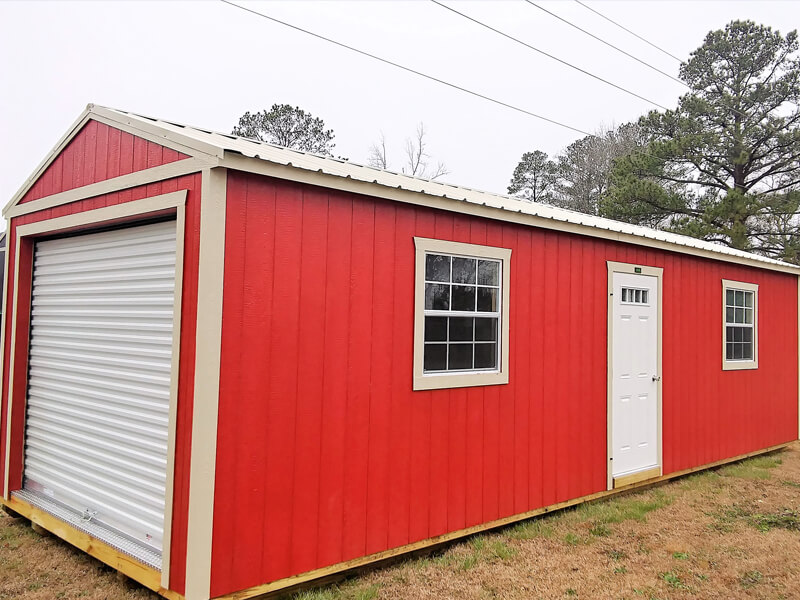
{"x": 563, "y": 62}
{"x": 408, "y": 69}
{"x": 599, "y": 14}
{"x": 609, "y": 44}
{"x": 424, "y": 75}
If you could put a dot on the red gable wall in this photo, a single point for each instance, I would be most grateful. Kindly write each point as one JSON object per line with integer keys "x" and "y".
{"x": 97, "y": 153}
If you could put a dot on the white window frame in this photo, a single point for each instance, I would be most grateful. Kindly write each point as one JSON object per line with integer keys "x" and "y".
{"x": 739, "y": 364}
{"x": 444, "y": 380}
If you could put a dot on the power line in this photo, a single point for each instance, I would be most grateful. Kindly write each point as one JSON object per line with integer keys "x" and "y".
{"x": 599, "y": 14}
{"x": 408, "y": 69}
{"x": 609, "y": 44}
{"x": 424, "y": 75}
{"x": 563, "y": 62}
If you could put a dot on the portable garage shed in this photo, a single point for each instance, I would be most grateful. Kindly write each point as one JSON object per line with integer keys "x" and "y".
{"x": 229, "y": 367}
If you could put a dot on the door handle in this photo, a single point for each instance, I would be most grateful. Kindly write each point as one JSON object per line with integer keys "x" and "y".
{"x": 656, "y": 377}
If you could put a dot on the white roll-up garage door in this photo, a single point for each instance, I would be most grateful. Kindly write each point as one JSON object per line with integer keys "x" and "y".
{"x": 99, "y": 378}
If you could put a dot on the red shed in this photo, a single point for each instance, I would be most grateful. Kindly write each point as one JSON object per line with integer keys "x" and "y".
{"x": 230, "y": 367}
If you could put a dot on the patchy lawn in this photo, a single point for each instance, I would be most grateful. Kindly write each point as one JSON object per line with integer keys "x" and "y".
{"x": 729, "y": 533}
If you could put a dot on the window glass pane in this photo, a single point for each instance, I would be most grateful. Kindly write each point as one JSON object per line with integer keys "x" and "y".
{"x": 437, "y": 296}
{"x": 729, "y": 333}
{"x": 460, "y": 356}
{"x": 487, "y": 299}
{"x": 748, "y": 315}
{"x": 739, "y": 298}
{"x": 488, "y": 272}
{"x": 485, "y": 356}
{"x": 644, "y": 296}
{"x": 437, "y": 267}
{"x": 463, "y": 270}
{"x": 486, "y": 330}
{"x": 624, "y": 294}
{"x": 729, "y": 351}
{"x": 729, "y": 296}
{"x": 435, "y": 357}
{"x": 737, "y": 334}
{"x": 461, "y": 329}
{"x": 747, "y": 351}
{"x": 638, "y": 295}
{"x": 747, "y": 334}
{"x": 729, "y": 314}
{"x": 737, "y": 351}
{"x": 739, "y": 315}
{"x": 463, "y": 297}
{"x": 748, "y": 299}
{"x": 435, "y": 329}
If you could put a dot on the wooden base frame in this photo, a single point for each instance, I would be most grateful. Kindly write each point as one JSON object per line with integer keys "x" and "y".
{"x": 147, "y": 576}
{"x": 283, "y": 586}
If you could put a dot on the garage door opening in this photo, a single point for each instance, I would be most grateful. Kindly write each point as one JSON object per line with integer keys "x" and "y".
{"x": 98, "y": 400}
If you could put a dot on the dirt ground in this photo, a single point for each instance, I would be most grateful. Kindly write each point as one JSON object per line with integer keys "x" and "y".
{"x": 733, "y": 532}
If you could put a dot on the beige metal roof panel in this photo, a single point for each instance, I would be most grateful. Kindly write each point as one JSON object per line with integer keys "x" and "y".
{"x": 203, "y": 139}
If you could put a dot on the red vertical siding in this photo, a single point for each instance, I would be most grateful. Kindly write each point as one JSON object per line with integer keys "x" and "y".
{"x": 96, "y": 153}
{"x": 192, "y": 183}
{"x": 326, "y": 453}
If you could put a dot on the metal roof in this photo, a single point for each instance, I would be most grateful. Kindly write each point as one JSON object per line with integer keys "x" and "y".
{"x": 218, "y": 144}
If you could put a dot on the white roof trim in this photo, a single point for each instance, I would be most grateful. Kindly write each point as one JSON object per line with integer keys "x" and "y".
{"x": 194, "y": 141}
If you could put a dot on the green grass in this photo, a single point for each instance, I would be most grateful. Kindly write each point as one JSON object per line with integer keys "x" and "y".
{"x": 573, "y": 539}
{"x": 786, "y": 519}
{"x": 617, "y": 555}
{"x": 501, "y": 550}
{"x": 680, "y": 555}
{"x": 702, "y": 480}
{"x": 534, "y": 528}
{"x": 673, "y": 580}
{"x": 750, "y": 578}
{"x": 635, "y": 507}
{"x": 757, "y": 467}
{"x": 600, "y": 530}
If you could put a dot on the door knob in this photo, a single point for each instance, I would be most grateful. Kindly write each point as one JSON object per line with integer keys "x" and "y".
{"x": 656, "y": 377}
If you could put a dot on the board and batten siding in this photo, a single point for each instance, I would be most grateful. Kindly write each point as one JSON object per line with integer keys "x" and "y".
{"x": 192, "y": 183}
{"x": 326, "y": 454}
{"x": 98, "y": 152}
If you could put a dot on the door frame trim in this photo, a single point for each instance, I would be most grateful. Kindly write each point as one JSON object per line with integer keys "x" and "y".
{"x": 129, "y": 214}
{"x": 633, "y": 269}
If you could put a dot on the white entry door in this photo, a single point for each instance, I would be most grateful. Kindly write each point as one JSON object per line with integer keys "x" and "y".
{"x": 634, "y": 371}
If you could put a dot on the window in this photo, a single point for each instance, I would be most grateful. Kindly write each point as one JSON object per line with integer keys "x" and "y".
{"x": 461, "y": 317}
{"x": 634, "y": 295}
{"x": 740, "y": 325}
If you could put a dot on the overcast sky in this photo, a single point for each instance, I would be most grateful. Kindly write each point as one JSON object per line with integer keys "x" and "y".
{"x": 206, "y": 63}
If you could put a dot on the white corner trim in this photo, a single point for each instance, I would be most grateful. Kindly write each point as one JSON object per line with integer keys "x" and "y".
{"x": 206, "y": 384}
{"x": 740, "y": 365}
{"x": 421, "y": 381}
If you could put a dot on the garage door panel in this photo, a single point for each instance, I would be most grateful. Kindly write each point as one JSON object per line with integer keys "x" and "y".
{"x": 99, "y": 376}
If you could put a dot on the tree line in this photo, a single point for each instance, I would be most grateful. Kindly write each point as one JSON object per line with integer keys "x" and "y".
{"x": 723, "y": 165}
